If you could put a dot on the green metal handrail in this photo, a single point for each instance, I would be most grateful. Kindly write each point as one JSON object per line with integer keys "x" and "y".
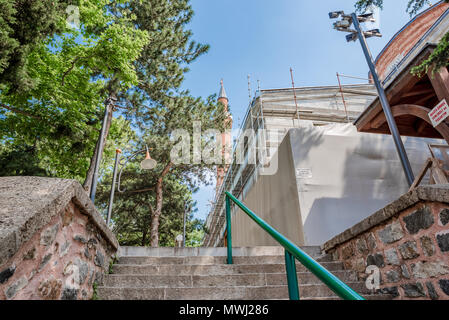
{"x": 292, "y": 251}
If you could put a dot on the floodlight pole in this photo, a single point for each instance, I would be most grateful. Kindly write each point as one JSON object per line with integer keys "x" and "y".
{"x": 109, "y": 105}
{"x": 385, "y": 104}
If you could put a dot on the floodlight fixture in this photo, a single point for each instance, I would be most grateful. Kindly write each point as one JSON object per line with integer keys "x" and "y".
{"x": 342, "y": 24}
{"x": 335, "y": 14}
{"x": 351, "y": 37}
{"x": 373, "y": 33}
{"x": 366, "y": 17}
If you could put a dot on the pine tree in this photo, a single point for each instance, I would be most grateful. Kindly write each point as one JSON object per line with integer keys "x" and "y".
{"x": 131, "y": 221}
{"x": 24, "y": 24}
{"x": 163, "y": 61}
{"x": 136, "y": 50}
{"x": 59, "y": 115}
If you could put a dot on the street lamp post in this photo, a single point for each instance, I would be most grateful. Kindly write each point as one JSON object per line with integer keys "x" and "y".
{"x": 146, "y": 164}
{"x": 184, "y": 229}
{"x": 344, "y": 25}
{"x": 187, "y": 209}
{"x": 114, "y": 178}
{"x": 109, "y": 105}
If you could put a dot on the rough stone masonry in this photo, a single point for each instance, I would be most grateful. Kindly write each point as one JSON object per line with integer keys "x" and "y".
{"x": 408, "y": 241}
{"x": 53, "y": 243}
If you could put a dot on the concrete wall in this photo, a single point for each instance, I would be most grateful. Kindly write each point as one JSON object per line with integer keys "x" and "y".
{"x": 53, "y": 243}
{"x": 328, "y": 179}
{"x": 274, "y": 199}
{"x": 407, "y": 242}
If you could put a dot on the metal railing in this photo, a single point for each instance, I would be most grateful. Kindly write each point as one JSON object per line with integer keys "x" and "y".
{"x": 292, "y": 252}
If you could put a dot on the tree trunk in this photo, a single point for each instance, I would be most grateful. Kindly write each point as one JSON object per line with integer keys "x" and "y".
{"x": 87, "y": 185}
{"x": 155, "y": 231}
{"x": 144, "y": 237}
{"x": 157, "y": 212}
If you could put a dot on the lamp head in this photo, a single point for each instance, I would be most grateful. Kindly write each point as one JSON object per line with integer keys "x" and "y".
{"x": 373, "y": 33}
{"x": 342, "y": 24}
{"x": 366, "y": 17}
{"x": 148, "y": 163}
{"x": 335, "y": 14}
{"x": 351, "y": 37}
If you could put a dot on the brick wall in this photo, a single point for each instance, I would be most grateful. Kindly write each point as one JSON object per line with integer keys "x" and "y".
{"x": 409, "y": 243}
{"x": 407, "y": 38}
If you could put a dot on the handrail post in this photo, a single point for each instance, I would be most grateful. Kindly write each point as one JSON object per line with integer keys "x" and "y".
{"x": 292, "y": 278}
{"x": 228, "y": 229}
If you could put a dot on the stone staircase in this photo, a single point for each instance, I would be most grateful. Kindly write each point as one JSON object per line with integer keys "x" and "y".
{"x": 258, "y": 273}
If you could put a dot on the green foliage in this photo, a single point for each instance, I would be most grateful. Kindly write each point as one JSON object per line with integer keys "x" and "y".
{"x": 413, "y": 6}
{"x": 131, "y": 215}
{"x": 164, "y": 59}
{"x": 24, "y": 24}
{"x": 158, "y": 107}
{"x": 195, "y": 238}
{"x": 60, "y": 113}
{"x": 113, "y": 261}
{"x": 53, "y": 84}
{"x": 439, "y": 58}
{"x": 20, "y": 160}
{"x": 95, "y": 292}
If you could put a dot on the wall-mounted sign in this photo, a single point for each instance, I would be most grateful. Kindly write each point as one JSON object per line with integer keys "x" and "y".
{"x": 439, "y": 113}
{"x": 304, "y": 173}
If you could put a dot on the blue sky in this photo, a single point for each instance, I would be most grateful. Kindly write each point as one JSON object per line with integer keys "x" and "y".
{"x": 264, "y": 38}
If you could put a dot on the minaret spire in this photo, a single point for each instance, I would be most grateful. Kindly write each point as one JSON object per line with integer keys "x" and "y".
{"x": 225, "y": 138}
{"x": 222, "y": 95}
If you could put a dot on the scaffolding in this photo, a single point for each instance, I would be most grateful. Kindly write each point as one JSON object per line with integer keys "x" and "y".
{"x": 319, "y": 106}
{"x": 237, "y": 176}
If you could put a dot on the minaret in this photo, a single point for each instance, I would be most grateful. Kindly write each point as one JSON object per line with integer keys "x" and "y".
{"x": 225, "y": 138}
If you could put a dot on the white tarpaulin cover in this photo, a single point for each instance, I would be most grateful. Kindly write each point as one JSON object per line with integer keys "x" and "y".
{"x": 344, "y": 176}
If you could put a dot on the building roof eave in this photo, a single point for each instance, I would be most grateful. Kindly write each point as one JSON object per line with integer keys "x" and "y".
{"x": 419, "y": 56}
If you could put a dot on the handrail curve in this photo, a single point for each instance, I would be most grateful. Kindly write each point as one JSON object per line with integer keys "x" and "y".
{"x": 291, "y": 250}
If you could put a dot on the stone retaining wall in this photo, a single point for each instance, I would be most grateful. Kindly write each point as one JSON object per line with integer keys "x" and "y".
{"x": 408, "y": 241}
{"x": 53, "y": 242}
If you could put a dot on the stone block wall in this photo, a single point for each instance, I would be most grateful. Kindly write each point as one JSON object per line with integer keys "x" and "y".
{"x": 409, "y": 243}
{"x": 53, "y": 243}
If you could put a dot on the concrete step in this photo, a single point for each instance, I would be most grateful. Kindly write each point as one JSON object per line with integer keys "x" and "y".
{"x": 258, "y": 273}
{"x": 321, "y": 290}
{"x": 203, "y": 251}
{"x": 211, "y": 260}
{"x": 144, "y": 281}
{"x": 224, "y": 293}
{"x": 309, "y": 278}
{"x": 314, "y": 292}
{"x": 258, "y": 279}
{"x": 185, "y": 269}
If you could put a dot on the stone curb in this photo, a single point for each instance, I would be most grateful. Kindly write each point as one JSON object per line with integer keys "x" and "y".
{"x": 28, "y": 203}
